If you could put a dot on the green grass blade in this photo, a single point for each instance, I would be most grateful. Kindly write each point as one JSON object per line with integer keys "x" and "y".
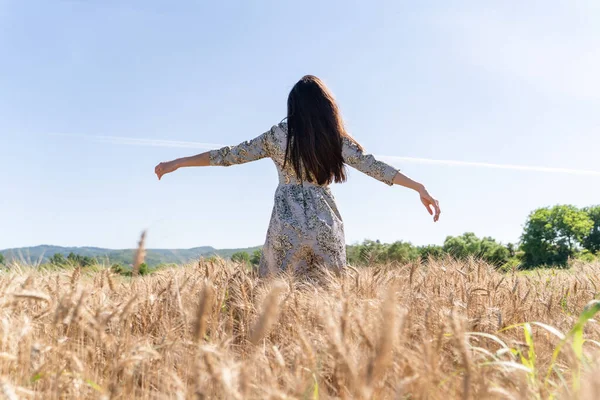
{"x": 588, "y": 313}
{"x": 506, "y": 328}
{"x": 529, "y": 340}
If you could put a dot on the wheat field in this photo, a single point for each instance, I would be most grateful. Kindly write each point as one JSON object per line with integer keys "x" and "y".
{"x": 213, "y": 330}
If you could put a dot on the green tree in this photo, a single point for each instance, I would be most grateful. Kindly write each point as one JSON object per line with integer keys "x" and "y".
{"x": 463, "y": 246}
{"x": 241, "y": 257}
{"x": 431, "y": 250}
{"x": 401, "y": 252}
{"x": 371, "y": 251}
{"x": 58, "y": 259}
{"x": 470, "y": 245}
{"x": 255, "y": 257}
{"x": 118, "y": 269}
{"x": 86, "y": 261}
{"x": 73, "y": 258}
{"x": 553, "y": 234}
{"x": 592, "y": 240}
{"x": 144, "y": 270}
{"x": 512, "y": 250}
{"x": 494, "y": 252}
{"x": 497, "y": 255}
{"x": 79, "y": 260}
{"x": 1, "y": 258}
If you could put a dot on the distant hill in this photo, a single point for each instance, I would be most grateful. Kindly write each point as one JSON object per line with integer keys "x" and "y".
{"x": 40, "y": 254}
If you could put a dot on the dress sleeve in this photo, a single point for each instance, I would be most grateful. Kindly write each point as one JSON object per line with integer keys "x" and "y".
{"x": 366, "y": 163}
{"x": 250, "y": 150}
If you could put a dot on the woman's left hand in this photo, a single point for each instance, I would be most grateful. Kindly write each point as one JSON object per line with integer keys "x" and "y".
{"x": 165, "y": 168}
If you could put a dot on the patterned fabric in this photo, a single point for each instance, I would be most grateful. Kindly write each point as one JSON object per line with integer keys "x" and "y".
{"x": 306, "y": 227}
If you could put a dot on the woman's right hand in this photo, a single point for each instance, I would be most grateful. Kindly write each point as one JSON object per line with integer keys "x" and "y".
{"x": 165, "y": 168}
{"x": 431, "y": 204}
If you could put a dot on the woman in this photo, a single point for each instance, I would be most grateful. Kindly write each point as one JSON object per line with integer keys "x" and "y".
{"x": 309, "y": 151}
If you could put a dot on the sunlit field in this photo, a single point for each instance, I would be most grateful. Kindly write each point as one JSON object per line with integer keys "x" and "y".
{"x": 212, "y": 329}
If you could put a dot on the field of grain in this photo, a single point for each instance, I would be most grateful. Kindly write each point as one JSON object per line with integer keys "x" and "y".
{"x": 440, "y": 330}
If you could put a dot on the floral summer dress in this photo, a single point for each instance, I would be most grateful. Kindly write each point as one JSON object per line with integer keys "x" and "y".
{"x": 306, "y": 227}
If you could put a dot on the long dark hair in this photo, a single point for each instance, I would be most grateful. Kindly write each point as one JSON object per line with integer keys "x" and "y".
{"x": 315, "y": 133}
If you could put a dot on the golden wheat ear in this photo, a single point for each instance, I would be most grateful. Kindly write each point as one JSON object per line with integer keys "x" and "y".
{"x": 204, "y": 308}
{"x": 268, "y": 315}
{"x": 140, "y": 254}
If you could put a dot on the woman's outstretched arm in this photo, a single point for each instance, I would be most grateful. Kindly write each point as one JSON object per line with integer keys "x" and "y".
{"x": 250, "y": 150}
{"x": 355, "y": 157}
{"x": 199, "y": 160}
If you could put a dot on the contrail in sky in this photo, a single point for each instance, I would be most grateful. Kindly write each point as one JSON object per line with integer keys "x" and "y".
{"x": 209, "y": 146}
{"x": 151, "y": 142}
{"x": 491, "y": 165}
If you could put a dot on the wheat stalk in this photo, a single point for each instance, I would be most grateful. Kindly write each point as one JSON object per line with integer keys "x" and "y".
{"x": 140, "y": 254}
{"x": 268, "y": 314}
{"x": 206, "y": 300}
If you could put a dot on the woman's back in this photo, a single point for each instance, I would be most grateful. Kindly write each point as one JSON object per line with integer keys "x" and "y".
{"x": 273, "y": 144}
{"x": 306, "y": 227}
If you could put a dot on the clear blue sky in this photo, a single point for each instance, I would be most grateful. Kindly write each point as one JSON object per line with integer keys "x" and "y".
{"x": 504, "y": 82}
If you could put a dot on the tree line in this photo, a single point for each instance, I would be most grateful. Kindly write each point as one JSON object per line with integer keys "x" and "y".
{"x": 77, "y": 260}
{"x": 551, "y": 237}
